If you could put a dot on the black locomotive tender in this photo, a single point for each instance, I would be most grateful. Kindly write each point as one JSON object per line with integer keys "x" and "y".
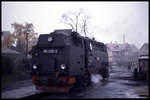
{"x": 63, "y": 59}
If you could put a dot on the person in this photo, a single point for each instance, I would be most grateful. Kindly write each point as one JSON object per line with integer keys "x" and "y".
{"x": 129, "y": 68}
{"x": 142, "y": 74}
{"x": 135, "y": 73}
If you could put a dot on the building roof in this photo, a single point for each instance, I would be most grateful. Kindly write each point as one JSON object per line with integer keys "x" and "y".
{"x": 120, "y": 47}
{"x": 144, "y": 49}
{"x": 113, "y": 47}
{"x": 144, "y": 57}
{"x": 144, "y": 46}
{"x": 5, "y": 33}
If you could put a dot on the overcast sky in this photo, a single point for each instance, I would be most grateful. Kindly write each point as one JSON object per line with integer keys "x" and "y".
{"x": 110, "y": 20}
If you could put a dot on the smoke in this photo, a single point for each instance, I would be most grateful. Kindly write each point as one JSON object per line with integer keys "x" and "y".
{"x": 95, "y": 78}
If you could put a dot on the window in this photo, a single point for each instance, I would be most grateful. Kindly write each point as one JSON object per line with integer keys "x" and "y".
{"x": 91, "y": 46}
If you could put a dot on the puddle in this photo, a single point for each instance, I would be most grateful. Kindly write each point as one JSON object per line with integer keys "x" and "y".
{"x": 132, "y": 84}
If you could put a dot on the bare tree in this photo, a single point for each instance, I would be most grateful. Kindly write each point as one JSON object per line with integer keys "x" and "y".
{"x": 77, "y": 20}
{"x": 84, "y": 25}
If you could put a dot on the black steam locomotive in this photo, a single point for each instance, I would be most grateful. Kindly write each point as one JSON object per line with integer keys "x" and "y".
{"x": 63, "y": 59}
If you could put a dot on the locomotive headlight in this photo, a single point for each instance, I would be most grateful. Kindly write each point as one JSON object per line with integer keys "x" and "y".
{"x": 45, "y": 51}
{"x": 36, "y": 54}
{"x": 63, "y": 66}
{"x": 50, "y": 39}
{"x": 90, "y": 61}
{"x": 34, "y": 67}
{"x": 29, "y": 56}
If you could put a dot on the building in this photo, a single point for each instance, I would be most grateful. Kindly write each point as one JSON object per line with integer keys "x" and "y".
{"x": 114, "y": 53}
{"x": 143, "y": 61}
{"x": 144, "y": 50}
{"x": 121, "y": 54}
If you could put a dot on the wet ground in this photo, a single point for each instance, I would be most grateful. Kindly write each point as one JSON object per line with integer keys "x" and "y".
{"x": 119, "y": 85}
{"x": 16, "y": 85}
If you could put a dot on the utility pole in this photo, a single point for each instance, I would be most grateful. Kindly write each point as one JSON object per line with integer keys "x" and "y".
{"x": 27, "y": 44}
{"x": 123, "y": 38}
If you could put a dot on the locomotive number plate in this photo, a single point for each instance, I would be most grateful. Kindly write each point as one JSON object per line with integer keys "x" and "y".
{"x": 50, "y": 51}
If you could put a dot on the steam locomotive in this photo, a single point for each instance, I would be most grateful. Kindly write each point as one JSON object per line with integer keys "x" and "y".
{"x": 64, "y": 59}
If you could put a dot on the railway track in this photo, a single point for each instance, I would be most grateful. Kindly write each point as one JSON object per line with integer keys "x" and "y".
{"x": 73, "y": 93}
{"x": 68, "y": 95}
{"x": 119, "y": 85}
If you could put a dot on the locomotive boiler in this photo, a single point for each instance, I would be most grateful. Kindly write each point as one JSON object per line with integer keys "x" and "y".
{"x": 63, "y": 60}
